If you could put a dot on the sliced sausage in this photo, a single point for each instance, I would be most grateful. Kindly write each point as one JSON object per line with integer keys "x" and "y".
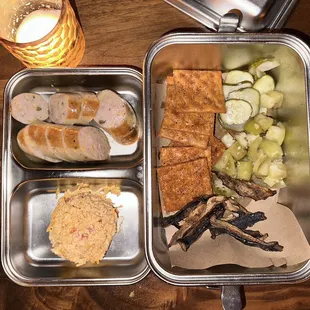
{"x": 29, "y": 107}
{"x": 86, "y": 143}
{"x": 54, "y": 137}
{"x": 57, "y": 143}
{"x": 117, "y": 117}
{"x": 33, "y": 143}
{"x": 89, "y": 107}
{"x": 65, "y": 108}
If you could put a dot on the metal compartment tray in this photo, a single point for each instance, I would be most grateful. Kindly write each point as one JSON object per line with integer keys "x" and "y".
{"x": 29, "y": 189}
{"x": 126, "y": 82}
{"x": 226, "y": 52}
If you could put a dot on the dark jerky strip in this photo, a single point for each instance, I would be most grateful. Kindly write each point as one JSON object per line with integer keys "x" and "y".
{"x": 243, "y": 237}
{"x": 176, "y": 218}
{"x": 235, "y": 207}
{"x": 254, "y": 233}
{"x": 248, "y": 220}
{"x": 246, "y": 188}
{"x": 241, "y": 222}
{"x": 195, "y": 233}
{"x": 195, "y": 217}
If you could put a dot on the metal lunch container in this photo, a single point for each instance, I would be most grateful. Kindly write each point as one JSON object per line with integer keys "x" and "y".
{"x": 26, "y": 255}
{"x": 226, "y": 51}
{"x": 29, "y": 190}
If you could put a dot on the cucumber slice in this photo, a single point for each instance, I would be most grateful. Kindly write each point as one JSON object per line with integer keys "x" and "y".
{"x": 250, "y": 95}
{"x": 260, "y": 74}
{"x": 252, "y": 70}
{"x": 238, "y": 112}
{"x": 258, "y": 68}
{"x": 267, "y": 64}
{"x": 256, "y": 73}
{"x": 228, "y": 88}
{"x": 264, "y": 84}
{"x": 238, "y": 76}
{"x": 233, "y": 127}
{"x": 272, "y": 99}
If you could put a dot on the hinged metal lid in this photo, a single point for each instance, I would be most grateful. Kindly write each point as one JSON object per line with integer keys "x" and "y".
{"x": 257, "y": 15}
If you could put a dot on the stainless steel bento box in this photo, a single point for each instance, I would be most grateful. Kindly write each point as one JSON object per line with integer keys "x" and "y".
{"x": 224, "y": 52}
{"x": 29, "y": 189}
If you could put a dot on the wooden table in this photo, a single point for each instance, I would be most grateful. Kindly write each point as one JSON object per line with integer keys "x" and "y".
{"x": 119, "y": 32}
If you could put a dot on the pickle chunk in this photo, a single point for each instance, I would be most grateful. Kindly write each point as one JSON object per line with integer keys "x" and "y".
{"x": 237, "y": 151}
{"x": 272, "y": 149}
{"x": 244, "y": 170}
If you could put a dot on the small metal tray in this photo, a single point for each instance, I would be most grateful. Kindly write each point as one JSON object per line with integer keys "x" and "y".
{"x": 126, "y": 82}
{"x": 29, "y": 189}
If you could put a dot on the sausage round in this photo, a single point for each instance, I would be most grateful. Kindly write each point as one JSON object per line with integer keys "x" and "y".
{"x": 31, "y": 140}
{"x": 73, "y": 108}
{"x": 65, "y": 108}
{"x": 29, "y": 107}
{"x": 57, "y": 143}
{"x": 117, "y": 117}
{"x": 86, "y": 143}
{"x": 89, "y": 107}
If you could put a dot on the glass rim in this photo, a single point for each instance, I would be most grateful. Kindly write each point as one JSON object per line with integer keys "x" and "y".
{"x": 64, "y": 3}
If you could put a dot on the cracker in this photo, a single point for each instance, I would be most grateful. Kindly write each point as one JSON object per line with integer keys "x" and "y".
{"x": 201, "y": 123}
{"x": 175, "y": 144}
{"x": 196, "y": 91}
{"x": 181, "y": 183}
{"x": 177, "y": 155}
{"x": 217, "y": 149}
{"x": 187, "y": 138}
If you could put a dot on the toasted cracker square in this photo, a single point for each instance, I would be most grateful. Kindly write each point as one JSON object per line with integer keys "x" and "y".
{"x": 201, "y": 123}
{"x": 187, "y": 138}
{"x": 175, "y": 144}
{"x": 196, "y": 91}
{"x": 181, "y": 183}
{"x": 217, "y": 149}
{"x": 177, "y": 155}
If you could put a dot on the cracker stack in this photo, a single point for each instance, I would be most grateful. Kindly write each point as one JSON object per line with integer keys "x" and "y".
{"x": 193, "y": 98}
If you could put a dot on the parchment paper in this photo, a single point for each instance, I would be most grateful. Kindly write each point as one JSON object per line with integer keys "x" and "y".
{"x": 281, "y": 225}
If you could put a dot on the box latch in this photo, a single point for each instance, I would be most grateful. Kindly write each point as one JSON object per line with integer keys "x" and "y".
{"x": 229, "y": 22}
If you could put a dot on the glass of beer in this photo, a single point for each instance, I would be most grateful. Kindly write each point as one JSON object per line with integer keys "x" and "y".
{"x": 41, "y": 33}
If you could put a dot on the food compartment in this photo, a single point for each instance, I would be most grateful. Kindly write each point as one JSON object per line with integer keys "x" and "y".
{"x": 226, "y": 52}
{"x": 28, "y": 259}
{"x": 124, "y": 81}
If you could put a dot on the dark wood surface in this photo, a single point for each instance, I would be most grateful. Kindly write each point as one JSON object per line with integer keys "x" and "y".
{"x": 119, "y": 32}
